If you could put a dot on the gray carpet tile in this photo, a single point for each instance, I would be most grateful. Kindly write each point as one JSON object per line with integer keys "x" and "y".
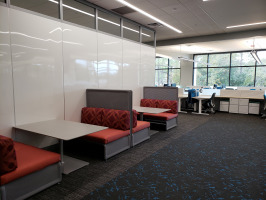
{"x": 99, "y": 175}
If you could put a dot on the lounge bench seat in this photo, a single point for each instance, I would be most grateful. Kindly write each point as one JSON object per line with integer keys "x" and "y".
{"x": 168, "y": 119}
{"x": 160, "y": 116}
{"x": 107, "y": 136}
{"x": 36, "y": 170}
{"x": 141, "y": 132}
{"x": 117, "y": 137}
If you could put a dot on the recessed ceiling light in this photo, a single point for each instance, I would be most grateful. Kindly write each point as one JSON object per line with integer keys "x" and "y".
{"x": 148, "y": 15}
{"x": 258, "y": 23}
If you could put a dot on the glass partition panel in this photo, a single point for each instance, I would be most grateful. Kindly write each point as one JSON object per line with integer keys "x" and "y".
{"x": 218, "y": 76}
{"x": 174, "y": 76}
{"x": 161, "y": 77}
{"x": 260, "y": 77}
{"x": 161, "y": 63}
{"x": 200, "y": 60}
{"x": 130, "y": 31}
{"x": 242, "y": 59}
{"x": 219, "y": 60}
{"x": 242, "y": 76}
{"x": 78, "y": 13}
{"x": 262, "y": 57}
{"x": 147, "y": 37}
{"x": 108, "y": 23}
{"x": 174, "y": 63}
{"x": 200, "y": 76}
{"x": 50, "y": 8}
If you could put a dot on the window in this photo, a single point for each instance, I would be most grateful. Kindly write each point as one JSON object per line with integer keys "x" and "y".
{"x": 50, "y": 8}
{"x": 231, "y": 69}
{"x": 167, "y": 71}
{"x": 78, "y": 13}
{"x": 147, "y": 37}
{"x": 260, "y": 77}
{"x": 108, "y": 23}
{"x": 219, "y": 60}
{"x": 200, "y": 76}
{"x": 130, "y": 31}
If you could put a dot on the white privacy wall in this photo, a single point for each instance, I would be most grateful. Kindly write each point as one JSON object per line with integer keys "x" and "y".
{"x": 53, "y": 63}
{"x": 80, "y": 68}
{"x": 131, "y": 69}
{"x": 7, "y": 119}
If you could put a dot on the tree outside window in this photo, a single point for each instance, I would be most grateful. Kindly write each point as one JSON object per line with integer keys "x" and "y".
{"x": 167, "y": 71}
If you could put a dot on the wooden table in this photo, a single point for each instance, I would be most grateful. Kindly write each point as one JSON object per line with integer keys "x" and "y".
{"x": 142, "y": 110}
{"x": 63, "y": 130}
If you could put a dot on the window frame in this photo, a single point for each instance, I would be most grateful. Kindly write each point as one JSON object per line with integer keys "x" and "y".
{"x": 168, "y": 69}
{"x": 230, "y": 66}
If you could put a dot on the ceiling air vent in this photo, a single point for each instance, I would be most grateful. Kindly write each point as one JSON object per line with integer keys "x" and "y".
{"x": 123, "y": 10}
{"x": 155, "y": 25}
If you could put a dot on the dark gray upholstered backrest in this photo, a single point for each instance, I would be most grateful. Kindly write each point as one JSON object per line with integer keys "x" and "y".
{"x": 161, "y": 93}
{"x": 110, "y": 99}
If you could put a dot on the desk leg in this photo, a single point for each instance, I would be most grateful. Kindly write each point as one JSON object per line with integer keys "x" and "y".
{"x": 62, "y": 154}
{"x": 200, "y": 105}
{"x": 179, "y": 106}
{"x": 70, "y": 164}
{"x": 141, "y": 116}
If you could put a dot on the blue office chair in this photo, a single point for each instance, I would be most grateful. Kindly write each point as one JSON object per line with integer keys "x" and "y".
{"x": 190, "y": 101}
{"x": 208, "y": 105}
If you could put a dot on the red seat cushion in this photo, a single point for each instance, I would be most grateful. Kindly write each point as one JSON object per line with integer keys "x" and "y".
{"x": 149, "y": 103}
{"x": 141, "y": 125}
{"x": 29, "y": 160}
{"x": 8, "y": 160}
{"x": 117, "y": 119}
{"x": 106, "y": 136}
{"x": 168, "y": 104}
{"x": 160, "y": 116}
{"x": 91, "y": 115}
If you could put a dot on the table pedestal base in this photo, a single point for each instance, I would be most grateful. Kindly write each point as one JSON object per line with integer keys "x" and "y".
{"x": 72, "y": 164}
{"x": 200, "y": 113}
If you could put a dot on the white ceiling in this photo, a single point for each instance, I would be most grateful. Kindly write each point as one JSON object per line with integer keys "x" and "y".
{"x": 199, "y": 18}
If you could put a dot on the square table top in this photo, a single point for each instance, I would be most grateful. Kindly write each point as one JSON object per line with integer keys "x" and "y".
{"x": 61, "y": 129}
{"x": 149, "y": 109}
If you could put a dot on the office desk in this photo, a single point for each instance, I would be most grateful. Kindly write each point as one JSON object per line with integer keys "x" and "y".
{"x": 181, "y": 96}
{"x": 142, "y": 110}
{"x": 63, "y": 130}
{"x": 200, "y": 98}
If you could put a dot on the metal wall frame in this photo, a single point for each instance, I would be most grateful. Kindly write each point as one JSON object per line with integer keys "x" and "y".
{"x": 61, "y": 15}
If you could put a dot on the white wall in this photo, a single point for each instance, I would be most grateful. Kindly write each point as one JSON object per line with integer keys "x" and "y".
{"x": 52, "y": 64}
{"x": 186, "y": 73}
{"x": 7, "y": 118}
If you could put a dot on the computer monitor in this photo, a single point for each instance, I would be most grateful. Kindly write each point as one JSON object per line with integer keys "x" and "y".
{"x": 165, "y": 85}
{"x": 173, "y": 84}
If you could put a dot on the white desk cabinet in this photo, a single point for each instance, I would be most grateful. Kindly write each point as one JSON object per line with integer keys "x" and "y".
{"x": 243, "y": 109}
{"x": 243, "y": 106}
{"x": 233, "y": 107}
{"x": 254, "y": 108}
{"x": 224, "y": 106}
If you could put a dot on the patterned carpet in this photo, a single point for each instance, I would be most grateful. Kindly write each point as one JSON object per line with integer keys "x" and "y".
{"x": 221, "y": 156}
